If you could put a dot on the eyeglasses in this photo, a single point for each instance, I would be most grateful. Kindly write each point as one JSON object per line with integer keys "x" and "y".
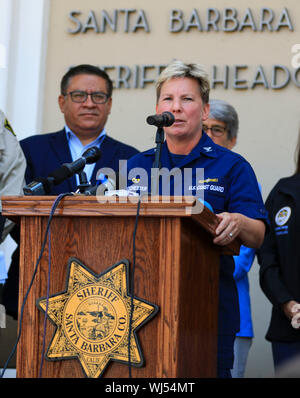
{"x": 216, "y": 131}
{"x": 81, "y": 96}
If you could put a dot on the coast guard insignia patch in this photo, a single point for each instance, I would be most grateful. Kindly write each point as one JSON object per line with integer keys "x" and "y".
{"x": 96, "y": 317}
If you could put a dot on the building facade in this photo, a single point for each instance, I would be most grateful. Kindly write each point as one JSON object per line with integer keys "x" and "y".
{"x": 251, "y": 51}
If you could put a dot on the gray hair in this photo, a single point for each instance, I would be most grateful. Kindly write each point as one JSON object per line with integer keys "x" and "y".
{"x": 180, "y": 69}
{"x": 224, "y": 112}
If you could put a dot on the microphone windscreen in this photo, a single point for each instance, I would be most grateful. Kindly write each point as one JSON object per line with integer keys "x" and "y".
{"x": 92, "y": 155}
{"x": 151, "y": 120}
{"x": 169, "y": 118}
{"x": 60, "y": 174}
{"x": 166, "y": 119}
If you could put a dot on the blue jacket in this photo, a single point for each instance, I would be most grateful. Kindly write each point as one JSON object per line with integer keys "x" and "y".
{"x": 46, "y": 152}
{"x": 243, "y": 263}
{"x": 229, "y": 185}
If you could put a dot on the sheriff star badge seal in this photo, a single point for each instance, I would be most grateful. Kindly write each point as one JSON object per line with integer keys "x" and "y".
{"x": 92, "y": 318}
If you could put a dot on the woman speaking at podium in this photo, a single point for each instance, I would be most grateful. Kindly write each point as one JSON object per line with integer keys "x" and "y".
{"x": 230, "y": 186}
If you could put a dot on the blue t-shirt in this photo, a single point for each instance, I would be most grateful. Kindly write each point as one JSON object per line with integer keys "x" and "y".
{"x": 222, "y": 178}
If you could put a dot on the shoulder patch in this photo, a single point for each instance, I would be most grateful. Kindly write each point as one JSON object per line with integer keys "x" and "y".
{"x": 8, "y": 126}
{"x": 283, "y": 215}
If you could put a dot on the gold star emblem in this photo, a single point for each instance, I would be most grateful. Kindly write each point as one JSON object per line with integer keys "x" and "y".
{"x": 93, "y": 318}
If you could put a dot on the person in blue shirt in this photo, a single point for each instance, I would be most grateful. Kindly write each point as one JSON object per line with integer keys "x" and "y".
{"x": 222, "y": 127}
{"x": 229, "y": 184}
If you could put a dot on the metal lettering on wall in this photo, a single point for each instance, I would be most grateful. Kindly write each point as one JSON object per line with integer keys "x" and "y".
{"x": 237, "y": 77}
{"x": 130, "y": 20}
{"x": 228, "y": 20}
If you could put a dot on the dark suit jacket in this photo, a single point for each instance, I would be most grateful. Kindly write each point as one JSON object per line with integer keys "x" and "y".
{"x": 46, "y": 152}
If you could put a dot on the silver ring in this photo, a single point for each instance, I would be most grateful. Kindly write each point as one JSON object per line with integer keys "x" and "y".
{"x": 230, "y": 234}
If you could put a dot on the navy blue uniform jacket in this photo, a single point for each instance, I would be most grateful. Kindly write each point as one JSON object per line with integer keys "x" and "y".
{"x": 46, "y": 152}
{"x": 229, "y": 185}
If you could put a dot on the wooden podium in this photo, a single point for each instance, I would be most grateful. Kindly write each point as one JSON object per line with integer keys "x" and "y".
{"x": 177, "y": 268}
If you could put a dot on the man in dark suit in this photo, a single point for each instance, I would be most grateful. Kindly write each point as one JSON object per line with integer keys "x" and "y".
{"x": 85, "y": 100}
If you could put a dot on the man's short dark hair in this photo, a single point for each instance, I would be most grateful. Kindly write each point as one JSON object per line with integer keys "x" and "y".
{"x": 85, "y": 69}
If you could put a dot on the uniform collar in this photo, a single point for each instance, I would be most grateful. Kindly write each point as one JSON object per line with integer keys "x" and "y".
{"x": 205, "y": 147}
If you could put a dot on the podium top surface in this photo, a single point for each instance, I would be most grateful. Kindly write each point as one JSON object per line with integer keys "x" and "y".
{"x": 14, "y": 207}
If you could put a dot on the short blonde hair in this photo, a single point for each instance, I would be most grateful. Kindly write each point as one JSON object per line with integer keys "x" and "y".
{"x": 178, "y": 68}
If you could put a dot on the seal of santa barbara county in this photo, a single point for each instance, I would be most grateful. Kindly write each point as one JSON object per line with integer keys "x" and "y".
{"x": 93, "y": 318}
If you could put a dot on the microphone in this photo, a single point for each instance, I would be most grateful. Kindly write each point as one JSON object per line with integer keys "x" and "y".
{"x": 43, "y": 186}
{"x": 91, "y": 155}
{"x": 106, "y": 184}
{"x": 39, "y": 187}
{"x": 166, "y": 119}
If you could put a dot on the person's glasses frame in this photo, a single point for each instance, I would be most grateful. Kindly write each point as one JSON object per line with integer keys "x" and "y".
{"x": 79, "y": 97}
{"x": 217, "y": 131}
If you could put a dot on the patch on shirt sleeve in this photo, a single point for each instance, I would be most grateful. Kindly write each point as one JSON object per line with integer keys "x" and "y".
{"x": 283, "y": 215}
{"x": 8, "y": 127}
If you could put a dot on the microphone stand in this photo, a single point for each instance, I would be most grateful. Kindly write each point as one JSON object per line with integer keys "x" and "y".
{"x": 83, "y": 182}
{"x": 159, "y": 140}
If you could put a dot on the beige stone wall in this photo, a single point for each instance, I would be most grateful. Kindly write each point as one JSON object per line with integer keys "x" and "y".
{"x": 269, "y": 118}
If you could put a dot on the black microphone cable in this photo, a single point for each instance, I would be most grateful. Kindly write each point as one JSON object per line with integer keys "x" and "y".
{"x": 54, "y": 206}
{"x": 47, "y": 303}
{"x": 132, "y": 284}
